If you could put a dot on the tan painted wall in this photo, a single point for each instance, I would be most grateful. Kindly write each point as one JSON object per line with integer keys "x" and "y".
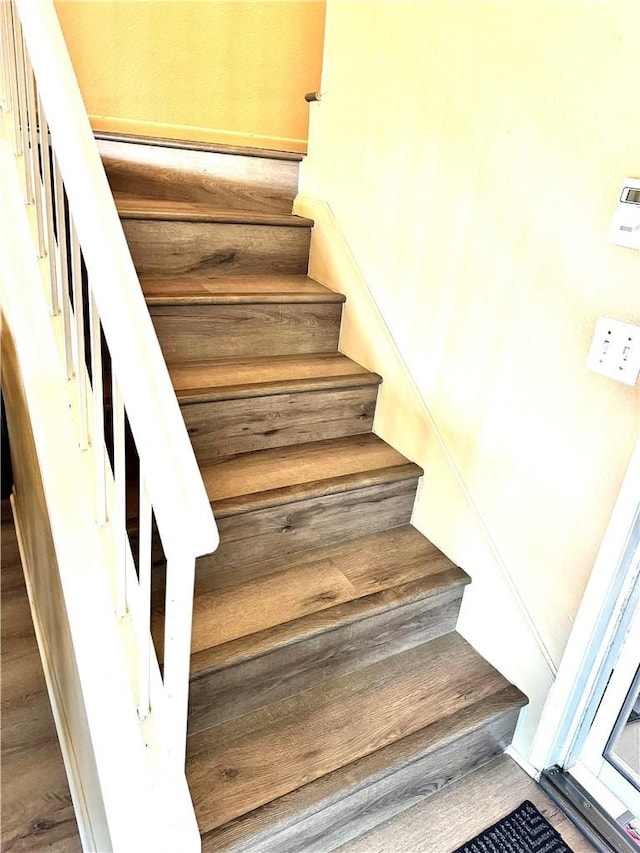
{"x": 471, "y": 154}
{"x": 232, "y": 71}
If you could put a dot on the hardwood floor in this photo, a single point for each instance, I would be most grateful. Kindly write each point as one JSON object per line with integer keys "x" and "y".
{"x": 456, "y": 814}
{"x": 37, "y": 813}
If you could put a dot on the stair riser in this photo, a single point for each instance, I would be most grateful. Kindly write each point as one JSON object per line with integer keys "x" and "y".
{"x": 253, "y": 537}
{"x": 163, "y": 247}
{"x": 226, "y": 427}
{"x": 200, "y": 332}
{"x": 257, "y": 682}
{"x": 222, "y": 180}
{"x": 249, "y": 539}
{"x": 370, "y": 805}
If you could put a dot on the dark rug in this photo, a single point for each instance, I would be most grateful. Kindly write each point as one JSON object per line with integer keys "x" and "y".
{"x": 525, "y": 830}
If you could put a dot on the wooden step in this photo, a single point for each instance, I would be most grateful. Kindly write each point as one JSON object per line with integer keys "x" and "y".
{"x": 282, "y": 500}
{"x": 168, "y": 237}
{"x": 273, "y": 503}
{"x": 199, "y": 318}
{"x": 320, "y": 614}
{"x": 326, "y": 813}
{"x": 267, "y": 478}
{"x": 104, "y": 136}
{"x": 227, "y": 177}
{"x": 208, "y": 289}
{"x": 245, "y": 763}
{"x": 168, "y": 210}
{"x": 238, "y": 406}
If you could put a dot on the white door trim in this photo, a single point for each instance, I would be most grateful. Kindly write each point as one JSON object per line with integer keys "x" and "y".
{"x": 599, "y": 630}
{"x": 592, "y": 767}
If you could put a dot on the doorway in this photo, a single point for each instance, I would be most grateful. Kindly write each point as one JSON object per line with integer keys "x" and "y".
{"x": 589, "y": 737}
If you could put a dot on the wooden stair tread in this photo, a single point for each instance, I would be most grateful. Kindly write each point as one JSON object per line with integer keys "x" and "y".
{"x": 242, "y": 764}
{"x": 232, "y": 607}
{"x": 160, "y": 209}
{"x": 279, "y": 475}
{"x": 438, "y": 742}
{"x": 204, "y": 381}
{"x": 197, "y": 289}
{"x": 187, "y": 145}
{"x": 215, "y": 658}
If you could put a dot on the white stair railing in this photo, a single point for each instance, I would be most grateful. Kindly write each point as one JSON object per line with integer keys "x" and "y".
{"x": 120, "y": 391}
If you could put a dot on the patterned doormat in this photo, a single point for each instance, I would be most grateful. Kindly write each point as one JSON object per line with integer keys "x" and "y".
{"x": 525, "y": 830}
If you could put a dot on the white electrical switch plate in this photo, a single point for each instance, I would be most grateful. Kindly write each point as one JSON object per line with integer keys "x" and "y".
{"x": 625, "y": 222}
{"x": 615, "y": 350}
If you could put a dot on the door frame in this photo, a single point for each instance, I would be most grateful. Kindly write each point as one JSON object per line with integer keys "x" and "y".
{"x": 599, "y": 630}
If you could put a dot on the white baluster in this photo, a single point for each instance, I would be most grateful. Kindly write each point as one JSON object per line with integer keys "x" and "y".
{"x": 177, "y": 650}
{"x": 63, "y": 265}
{"x": 144, "y": 612}
{"x": 22, "y": 103}
{"x": 6, "y": 75}
{"x": 79, "y": 348}
{"x": 45, "y": 147}
{"x": 97, "y": 434}
{"x": 35, "y": 158}
{"x": 119, "y": 498}
{"x": 13, "y": 74}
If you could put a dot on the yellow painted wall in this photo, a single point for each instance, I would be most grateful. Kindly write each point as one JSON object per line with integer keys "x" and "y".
{"x": 232, "y": 71}
{"x": 471, "y": 154}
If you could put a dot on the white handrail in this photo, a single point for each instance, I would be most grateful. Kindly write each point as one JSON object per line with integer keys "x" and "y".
{"x": 77, "y": 223}
{"x": 179, "y": 498}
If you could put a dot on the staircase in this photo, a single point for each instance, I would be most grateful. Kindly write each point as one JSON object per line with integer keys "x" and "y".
{"x": 329, "y": 690}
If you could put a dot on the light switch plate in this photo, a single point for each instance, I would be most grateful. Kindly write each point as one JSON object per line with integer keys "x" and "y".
{"x": 625, "y": 222}
{"x": 615, "y": 350}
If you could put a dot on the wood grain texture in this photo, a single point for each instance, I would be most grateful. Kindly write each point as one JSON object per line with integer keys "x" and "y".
{"x": 253, "y": 377}
{"x": 203, "y": 332}
{"x": 106, "y": 137}
{"x": 460, "y": 811}
{"x": 253, "y": 475}
{"x": 379, "y": 609}
{"x": 231, "y": 768}
{"x": 229, "y": 427}
{"x": 345, "y": 803}
{"x": 36, "y": 810}
{"x": 262, "y": 534}
{"x": 208, "y": 288}
{"x": 167, "y": 210}
{"x": 259, "y": 182}
{"x": 372, "y": 562}
{"x": 258, "y": 682}
{"x": 177, "y": 247}
{"x": 309, "y": 583}
{"x": 264, "y": 602}
{"x": 387, "y": 569}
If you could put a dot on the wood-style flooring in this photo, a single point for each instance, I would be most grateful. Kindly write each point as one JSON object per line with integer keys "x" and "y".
{"x": 36, "y": 810}
{"x": 450, "y": 818}
{"x": 37, "y": 813}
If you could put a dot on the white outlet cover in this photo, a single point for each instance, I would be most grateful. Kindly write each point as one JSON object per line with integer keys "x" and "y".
{"x": 615, "y": 350}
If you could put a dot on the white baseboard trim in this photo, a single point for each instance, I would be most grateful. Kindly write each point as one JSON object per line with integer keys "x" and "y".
{"x": 367, "y": 339}
{"x": 528, "y": 768}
